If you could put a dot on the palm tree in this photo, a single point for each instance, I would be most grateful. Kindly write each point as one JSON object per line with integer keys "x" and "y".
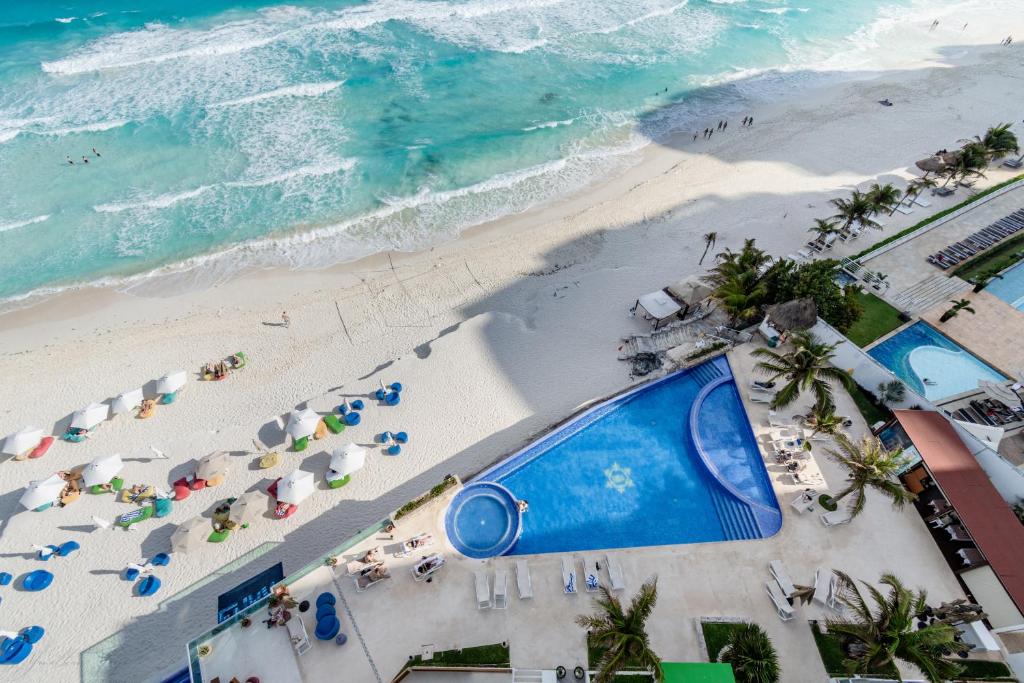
{"x": 875, "y": 635}
{"x": 871, "y": 466}
{"x": 807, "y": 367}
{"x": 968, "y": 161}
{"x": 709, "y": 241}
{"x": 857, "y": 208}
{"x": 954, "y": 310}
{"x": 738, "y": 280}
{"x": 751, "y": 654}
{"x": 822, "y": 228}
{"x": 884, "y": 198}
{"x": 622, "y": 633}
{"x": 823, "y": 420}
{"x": 891, "y": 392}
{"x": 998, "y": 141}
{"x": 916, "y": 186}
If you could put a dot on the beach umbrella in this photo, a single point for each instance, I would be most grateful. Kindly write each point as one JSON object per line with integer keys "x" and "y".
{"x": 348, "y": 459}
{"x": 171, "y": 382}
{"x": 102, "y": 469}
{"x": 1000, "y": 393}
{"x": 41, "y": 492}
{"x": 90, "y": 416}
{"x": 247, "y": 507}
{"x": 295, "y": 487}
{"x": 212, "y": 464}
{"x": 933, "y": 164}
{"x": 19, "y": 442}
{"x": 302, "y": 423}
{"x": 188, "y": 536}
{"x": 126, "y": 402}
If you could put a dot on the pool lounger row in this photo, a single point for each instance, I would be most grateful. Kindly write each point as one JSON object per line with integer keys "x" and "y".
{"x": 979, "y": 241}
{"x": 987, "y": 412}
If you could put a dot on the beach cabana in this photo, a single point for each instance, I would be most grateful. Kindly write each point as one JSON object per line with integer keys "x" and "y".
{"x": 295, "y": 487}
{"x": 932, "y": 164}
{"x": 657, "y": 307}
{"x": 21, "y": 441}
{"x": 126, "y": 402}
{"x": 188, "y": 536}
{"x": 169, "y": 385}
{"x": 345, "y": 461}
{"x": 102, "y": 469}
{"x": 247, "y": 507}
{"x": 213, "y": 465}
{"x": 689, "y": 293}
{"x": 42, "y": 492}
{"x": 90, "y": 416}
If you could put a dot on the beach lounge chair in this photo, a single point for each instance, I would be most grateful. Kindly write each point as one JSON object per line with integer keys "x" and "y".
{"x": 297, "y": 634}
{"x": 483, "y": 591}
{"x": 761, "y": 397}
{"x": 417, "y": 542}
{"x": 781, "y": 576}
{"x": 523, "y": 581}
{"x": 971, "y": 556}
{"x": 568, "y": 576}
{"x": 591, "y": 578}
{"x": 37, "y": 580}
{"x": 826, "y": 585}
{"x": 836, "y": 517}
{"x": 803, "y": 502}
{"x": 370, "y": 576}
{"x": 921, "y": 201}
{"x": 428, "y": 566}
{"x": 957, "y": 532}
{"x": 782, "y": 606}
{"x": 615, "y": 576}
{"x": 500, "y": 589}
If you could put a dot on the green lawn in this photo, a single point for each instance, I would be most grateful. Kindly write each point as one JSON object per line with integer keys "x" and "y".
{"x": 716, "y": 635}
{"x": 832, "y": 656}
{"x": 878, "y": 319}
{"x": 995, "y": 260}
{"x": 481, "y": 656}
{"x": 980, "y": 670}
{"x": 868, "y": 407}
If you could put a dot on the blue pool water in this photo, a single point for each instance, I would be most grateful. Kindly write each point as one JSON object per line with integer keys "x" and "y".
{"x": 672, "y": 462}
{"x": 920, "y": 352}
{"x": 242, "y": 133}
{"x": 1011, "y": 287}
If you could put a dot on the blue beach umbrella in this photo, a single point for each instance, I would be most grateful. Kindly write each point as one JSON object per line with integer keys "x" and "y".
{"x": 148, "y": 586}
{"x": 352, "y": 418}
{"x": 36, "y": 581}
{"x": 14, "y": 650}
{"x": 32, "y": 634}
{"x": 5, "y": 578}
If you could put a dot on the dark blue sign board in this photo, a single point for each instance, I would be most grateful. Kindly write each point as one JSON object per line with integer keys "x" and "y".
{"x": 250, "y": 591}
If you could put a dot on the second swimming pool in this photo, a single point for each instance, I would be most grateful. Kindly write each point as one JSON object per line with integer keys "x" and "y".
{"x": 1010, "y": 288}
{"x": 932, "y": 364}
{"x": 671, "y": 462}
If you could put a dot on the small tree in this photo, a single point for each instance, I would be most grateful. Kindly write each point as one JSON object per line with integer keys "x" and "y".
{"x": 622, "y": 632}
{"x": 891, "y": 392}
{"x": 808, "y": 367}
{"x": 954, "y": 310}
{"x": 982, "y": 280}
{"x": 884, "y": 198}
{"x": 870, "y": 465}
{"x": 709, "y": 241}
{"x": 750, "y": 652}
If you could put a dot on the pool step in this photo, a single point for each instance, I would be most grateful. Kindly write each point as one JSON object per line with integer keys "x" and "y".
{"x": 705, "y": 374}
{"x": 738, "y": 521}
{"x": 928, "y": 293}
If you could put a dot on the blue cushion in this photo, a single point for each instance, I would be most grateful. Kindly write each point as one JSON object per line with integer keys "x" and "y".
{"x": 38, "y": 580}
{"x": 32, "y": 634}
{"x": 327, "y": 628}
{"x": 66, "y": 549}
{"x": 325, "y": 599}
{"x": 325, "y": 610}
{"x": 161, "y": 560}
{"x": 352, "y": 419}
{"x": 14, "y": 650}
{"x": 401, "y": 437}
{"x": 396, "y": 387}
{"x": 394, "y": 450}
{"x": 148, "y": 586}
{"x": 162, "y": 507}
{"x": 131, "y": 573}
{"x": 358, "y": 404}
{"x": 392, "y": 399}
{"x": 5, "y": 578}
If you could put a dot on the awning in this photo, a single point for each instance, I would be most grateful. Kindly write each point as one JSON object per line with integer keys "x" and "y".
{"x": 658, "y": 305}
{"x": 989, "y": 519}
{"x": 987, "y": 434}
{"x": 697, "y": 672}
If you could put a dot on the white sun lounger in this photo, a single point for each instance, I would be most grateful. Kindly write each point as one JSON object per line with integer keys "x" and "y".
{"x": 826, "y": 587}
{"x": 803, "y": 502}
{"x": 782, "y": 606}
{"x": 836, "y": 517}
{"x": 500, "y": 589}
{"x": 781, "y": 576}
{"x": 483, "y": 591}
{"x": 523, "y": 581}
{"x": 615, "y": 576}
{"x": 759, "y": 397}
{"x": 568, "y": 576}
{"x": 920, "y": 201}
{"x": 297, "y": 634}
{"x": 905, "y": 210}
{"x": 592, "y": 579}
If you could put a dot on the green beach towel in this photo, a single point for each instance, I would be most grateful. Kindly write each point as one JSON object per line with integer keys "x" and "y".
{"x": 334, "y": 424}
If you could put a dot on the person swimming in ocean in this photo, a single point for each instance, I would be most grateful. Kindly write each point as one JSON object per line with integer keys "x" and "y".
{"x": 95, "y": 152}
{"x": 85, "y": 159}
{"x": 70, "y": 161}
{"x": 929, "y": 382}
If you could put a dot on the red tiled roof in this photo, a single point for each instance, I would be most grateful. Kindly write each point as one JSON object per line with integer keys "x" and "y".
{"x": 988, "y": 518}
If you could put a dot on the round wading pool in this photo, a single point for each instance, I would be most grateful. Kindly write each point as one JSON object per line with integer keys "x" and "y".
{"x": 483, "y": 520}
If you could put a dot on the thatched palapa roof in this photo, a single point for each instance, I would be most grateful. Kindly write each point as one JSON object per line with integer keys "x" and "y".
{"x": 799, "y": 314}
{"x": 934, "y": 164}
{"x": 690, "y": 291}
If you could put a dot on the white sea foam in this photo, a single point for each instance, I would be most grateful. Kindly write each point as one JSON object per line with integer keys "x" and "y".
{"x": 328, "y": 168}
{"x": 300, "y": 90}
{"x": 159, "y": 202}
{"x": 14, "y": 225}
{"x": 550, "y": 124}
{"x": 7, "y": 134}
{"x": 65, "y": 20}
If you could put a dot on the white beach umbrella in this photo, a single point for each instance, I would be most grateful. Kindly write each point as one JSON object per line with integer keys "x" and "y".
{"x": 41, "y": 492}
{"x": 126, "y": 402}
{"x": 295, "y": 487}
{"x": 19, "y": 442}
{"x": 170, "y": 382}
{"x": 247, "y": 507}
{"x": 212, "y": 464}
{"x": 190, "y": 535}
{"x": 348, "y": 459}
{"x": 302, "y": 423}
{"x": 102, "y": 469}
{"x": 90, "y": 416}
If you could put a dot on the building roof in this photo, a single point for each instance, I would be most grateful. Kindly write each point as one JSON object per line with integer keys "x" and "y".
{"x": 697, "y": 672}
{"x": 989, "y": 519}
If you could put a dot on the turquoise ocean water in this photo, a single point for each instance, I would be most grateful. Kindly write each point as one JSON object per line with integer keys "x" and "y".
{"x": 240, "y": 134}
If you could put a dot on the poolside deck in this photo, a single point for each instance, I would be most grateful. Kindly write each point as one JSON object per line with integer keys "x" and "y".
{"x": 992, "y": 333}
{"x": 388, "y": 623}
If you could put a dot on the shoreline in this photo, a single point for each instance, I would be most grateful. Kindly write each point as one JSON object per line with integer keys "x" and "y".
{"x": 494, "y": 335}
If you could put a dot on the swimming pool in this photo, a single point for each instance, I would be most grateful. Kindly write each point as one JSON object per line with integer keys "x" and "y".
{"x": 673, "y": 461}
{"x": 1011, "y": 287}
{"x": 932, "y": 364}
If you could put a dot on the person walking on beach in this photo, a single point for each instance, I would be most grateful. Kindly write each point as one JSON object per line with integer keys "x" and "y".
{"x": 695, "y": 137}
{"x": 285, "y": 320}
{"x": 719, "y": 125}
{"x": 750, "y": 122}
{"x": 725, "y": 124}
{"x": 743, "y": 123}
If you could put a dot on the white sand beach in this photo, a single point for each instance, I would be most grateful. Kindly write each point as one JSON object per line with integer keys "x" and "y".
{"x": 495, "y": 336}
